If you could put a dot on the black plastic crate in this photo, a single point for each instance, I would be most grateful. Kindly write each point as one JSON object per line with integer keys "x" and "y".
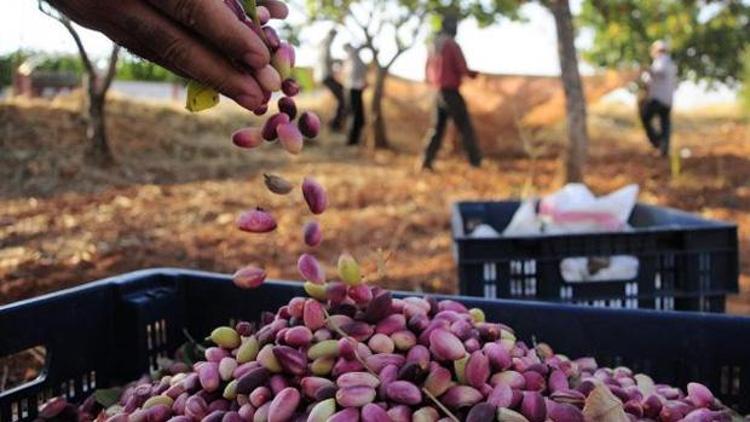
{"x": 112, "y": 331}
{"x": 685, "y": 262}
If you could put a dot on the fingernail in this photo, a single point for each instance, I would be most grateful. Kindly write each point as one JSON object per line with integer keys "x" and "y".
{"x": 257, "y": 60}
{"x": 263, "y": 14}
{"x": 268, "y": 78}
{"x": 249, "y": 102}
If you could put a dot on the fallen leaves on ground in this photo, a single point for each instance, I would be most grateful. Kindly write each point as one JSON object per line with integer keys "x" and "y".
{"x": 179, "y": 185}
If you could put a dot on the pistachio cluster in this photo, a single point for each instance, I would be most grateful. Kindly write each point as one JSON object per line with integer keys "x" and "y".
{"x": 274, "y": 77}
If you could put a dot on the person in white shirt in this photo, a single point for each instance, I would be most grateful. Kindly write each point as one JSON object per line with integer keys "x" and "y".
{"x": 356, "y": 82}
{"x": 325, "y": 75}
{"x": 661, "y": 81}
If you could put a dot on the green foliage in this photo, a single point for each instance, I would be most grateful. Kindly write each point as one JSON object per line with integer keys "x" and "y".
{"x": 486, "y": 12}
{"x": 132, "y": 68}
{"x": 10, "y": 61}
{"x": 745, "y": 89}
{"x": 705, "y": 36}
{"x": 404, "y": 18}
{"x": 8, "y": 64}
{"x": 289, "y": 32}
{"x": 304, "y": 77}
{"x": 489, "y": 12}
{"x": 66, "y": 63}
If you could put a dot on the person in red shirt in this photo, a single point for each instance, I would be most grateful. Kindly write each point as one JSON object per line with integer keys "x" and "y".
{"x": 445, "y": 70}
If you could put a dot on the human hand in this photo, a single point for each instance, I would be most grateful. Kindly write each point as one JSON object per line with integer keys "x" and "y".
{"x": 202, "y": 40}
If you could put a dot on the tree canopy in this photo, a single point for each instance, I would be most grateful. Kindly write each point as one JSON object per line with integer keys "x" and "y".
{"x": 706, "y": 36}
{"x": 130, "y": 67}
{"x": 485, "y": 12}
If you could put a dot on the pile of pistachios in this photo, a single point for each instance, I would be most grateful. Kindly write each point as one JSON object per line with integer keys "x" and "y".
{"x": 350, "y": 351}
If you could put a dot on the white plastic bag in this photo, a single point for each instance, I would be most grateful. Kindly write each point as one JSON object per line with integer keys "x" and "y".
{"x": 484, "y": 231}
{"x": 621, "y": 267}
{"x": 574, "y": 209}
{"x": 525, "y": 221}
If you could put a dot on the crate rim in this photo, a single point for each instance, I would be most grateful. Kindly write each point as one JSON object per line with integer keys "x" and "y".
{"x": 460, "y": 237}
{"x": 476, "y": 301}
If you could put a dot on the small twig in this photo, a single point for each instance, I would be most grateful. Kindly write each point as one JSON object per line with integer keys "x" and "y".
{"x": 440, "y": 405}
{"x": 187, "y": 335}
{"x": 395, "y": 241}
{"x": 364, "y": 364}
{"x": 340, "y": 332}
{"x": 528, "y": 149}
{"x": 252, "y": 11}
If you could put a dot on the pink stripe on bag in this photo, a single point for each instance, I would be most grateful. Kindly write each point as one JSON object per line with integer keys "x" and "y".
{"x": 605, "y": 220}
{"x": 602, "y": 219}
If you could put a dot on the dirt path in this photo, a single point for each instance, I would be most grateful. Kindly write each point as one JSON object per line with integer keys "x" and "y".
{"x": 173, "y": 199}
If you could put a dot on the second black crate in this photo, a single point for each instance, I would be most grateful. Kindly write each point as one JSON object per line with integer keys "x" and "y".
{"x": 685, "y": 262}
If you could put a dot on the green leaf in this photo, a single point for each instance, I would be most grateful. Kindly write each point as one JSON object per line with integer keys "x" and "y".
{"x": 191, "y": 352}
{"x": 703, "y": 45}
{"x": 200, "y": 97}
{"x": 108, "y": 396}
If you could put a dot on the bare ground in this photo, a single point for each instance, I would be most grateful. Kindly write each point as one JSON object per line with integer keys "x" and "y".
{"x": 179, "y": 184}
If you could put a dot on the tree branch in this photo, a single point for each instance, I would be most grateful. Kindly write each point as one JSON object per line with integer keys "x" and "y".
{"x": 111, "y": 69}
{"x": 69, "y": 26}
{"x": 369, "y": 38}
{"x": 402, "y": 46}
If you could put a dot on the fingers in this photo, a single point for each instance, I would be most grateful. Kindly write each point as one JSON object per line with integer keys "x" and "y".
{"x": 278, "y": 9}
{"x": 144, "y": 30}
{"x": 219, "y": 25}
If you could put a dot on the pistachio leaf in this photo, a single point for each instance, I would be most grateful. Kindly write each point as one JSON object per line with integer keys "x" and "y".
{"x": 200, "y": 97}
{"x": 191, "y": 352}
{"x": 108, "y": 396}
{"x": 602, "y": 406}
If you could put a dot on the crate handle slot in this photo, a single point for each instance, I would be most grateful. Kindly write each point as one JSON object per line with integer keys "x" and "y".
{"x": 34, "y": 358}
{"x": 594, "y": 269}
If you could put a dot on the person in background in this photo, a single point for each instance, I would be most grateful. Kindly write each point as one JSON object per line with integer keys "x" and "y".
{"x": 445, "y": 70}
{"x": 661, "y": 82}
{"x": 326, "y": 75}
{"x": 356, "y": 74}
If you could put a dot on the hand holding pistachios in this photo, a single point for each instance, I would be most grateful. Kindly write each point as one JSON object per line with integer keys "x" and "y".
{"x": 201, "y": 40}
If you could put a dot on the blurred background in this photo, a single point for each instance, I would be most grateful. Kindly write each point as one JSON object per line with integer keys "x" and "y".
{"x": 173, "y": 182}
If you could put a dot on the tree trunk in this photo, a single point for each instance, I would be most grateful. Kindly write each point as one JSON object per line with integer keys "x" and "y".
{"x": 379, "y": 137}
{"x": 575, "y": 102}
{"x": 96, "y": 87}
{"x": 98, "y": 151}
